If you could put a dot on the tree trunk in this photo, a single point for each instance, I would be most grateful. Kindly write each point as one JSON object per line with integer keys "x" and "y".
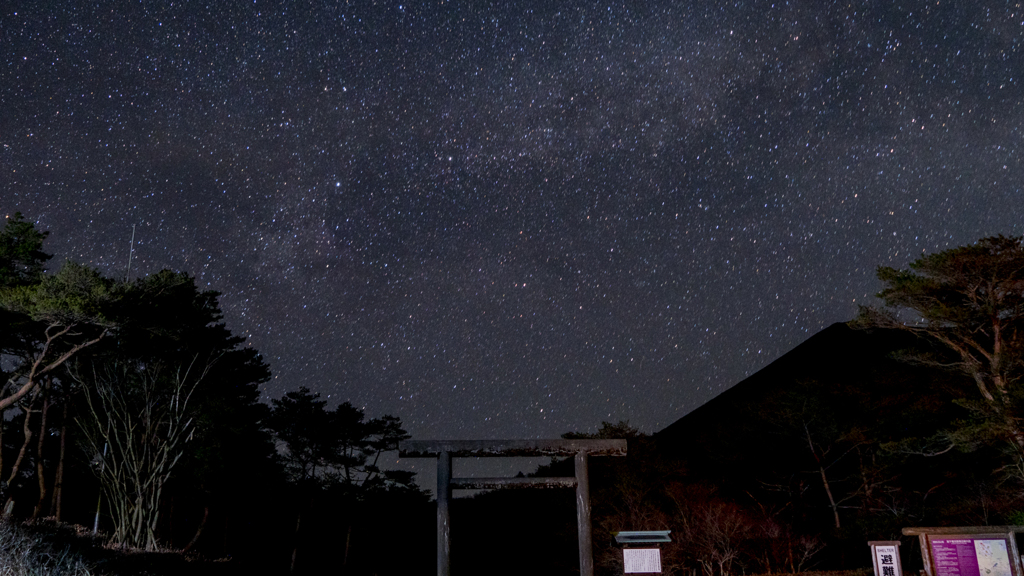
{"x": 298, "y": 524}
{"x": 226, "y": 531}
{"x": 295, "y": 544}
{"x": 171, "y": 506}
{"x": 58, "y": 480}
{"x": 2, "y": 451}
{"x": 348, "y": 543}
{"x": 831, "y": 500}
{"x": 40, "y": 470}
{"x": 824, "y": 477}
{"x": 27, "y": 430}
{"x": 199, "y": 531}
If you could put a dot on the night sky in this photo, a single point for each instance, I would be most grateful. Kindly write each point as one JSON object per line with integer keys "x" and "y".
{"x": 515, "y": 219}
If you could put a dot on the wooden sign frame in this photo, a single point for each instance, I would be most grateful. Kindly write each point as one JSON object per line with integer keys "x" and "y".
{"x": 948, "y": 551}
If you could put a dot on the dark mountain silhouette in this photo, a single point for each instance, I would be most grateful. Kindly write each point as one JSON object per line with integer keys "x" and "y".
{"x": 840, "y": 440}
{"x": 849, "y": 376}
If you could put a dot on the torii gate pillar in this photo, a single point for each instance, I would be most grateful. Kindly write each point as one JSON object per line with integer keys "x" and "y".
{"x": 445, "y": 450}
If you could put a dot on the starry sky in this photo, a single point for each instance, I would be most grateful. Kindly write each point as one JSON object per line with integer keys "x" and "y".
{"x": 515, "y": 219}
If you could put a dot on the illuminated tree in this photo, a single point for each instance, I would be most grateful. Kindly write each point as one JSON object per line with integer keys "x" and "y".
{"x": 968, "y": 303}
{"x": 138, "y": 422}
{"x": 60, "y": 316}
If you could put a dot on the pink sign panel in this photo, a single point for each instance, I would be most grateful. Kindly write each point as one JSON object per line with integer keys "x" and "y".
{"x": 970, "y": 556}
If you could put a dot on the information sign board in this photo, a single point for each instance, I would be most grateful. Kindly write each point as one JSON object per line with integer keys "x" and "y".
{"x": 969, "y": 550}
{"x": 981, "y": 555}
{"x": 642, "y": 560}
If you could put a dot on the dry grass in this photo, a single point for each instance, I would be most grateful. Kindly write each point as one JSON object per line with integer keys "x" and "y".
{"x": 31, "y": 551}
{"x": 48, "y": 548}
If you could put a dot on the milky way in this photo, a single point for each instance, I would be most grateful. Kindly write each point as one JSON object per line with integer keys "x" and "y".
{"x": 519, "y": 219}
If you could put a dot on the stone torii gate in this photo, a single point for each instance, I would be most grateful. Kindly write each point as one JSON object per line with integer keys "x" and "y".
{"x": 445, "y": 450}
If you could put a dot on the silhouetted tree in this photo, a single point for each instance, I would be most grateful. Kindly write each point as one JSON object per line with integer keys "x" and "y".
{"x": 60, "y": 316}
{"x": 22, "y": 258}
{"x": 45, "y": 321}
{"x": 173, "y": 373}
{"x": 337, "y": 448}
{"x": 969, "y": 302}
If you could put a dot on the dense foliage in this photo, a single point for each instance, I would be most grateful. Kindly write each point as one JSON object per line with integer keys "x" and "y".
{"x": 138, "y": 392}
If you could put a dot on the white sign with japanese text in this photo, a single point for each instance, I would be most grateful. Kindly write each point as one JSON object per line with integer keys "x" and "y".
{"x": 642, "y": 560}
{"x": 885, "y": 560}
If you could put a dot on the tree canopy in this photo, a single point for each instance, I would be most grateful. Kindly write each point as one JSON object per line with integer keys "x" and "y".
{"x": 21, "y": 252}
{"x": 335, "y": 445}
{"x": 969, "y": 302}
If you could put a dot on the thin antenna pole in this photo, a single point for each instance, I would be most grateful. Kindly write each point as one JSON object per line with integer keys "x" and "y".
{"x": 131, "y": 248}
